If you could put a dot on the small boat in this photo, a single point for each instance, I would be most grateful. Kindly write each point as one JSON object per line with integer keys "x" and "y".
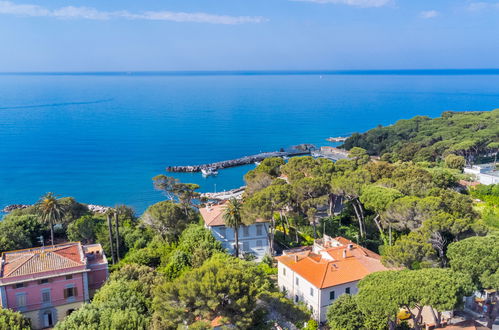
{"x": 257, "y": 163}
{"x": 285, "y": 157}
{"x": 209, "y": 171}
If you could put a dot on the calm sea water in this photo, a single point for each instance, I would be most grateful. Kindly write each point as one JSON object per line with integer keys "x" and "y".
{"x": 101, "y": 138}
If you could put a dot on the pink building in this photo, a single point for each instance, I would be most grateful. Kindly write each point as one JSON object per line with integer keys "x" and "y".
{"x": 46, "y": 284}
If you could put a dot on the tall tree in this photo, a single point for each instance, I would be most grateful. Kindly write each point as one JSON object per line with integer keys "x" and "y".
{"x": 232, "y": 218}
{"x": 109, "y": 215}
{"x": 166, "y": 217}
{"x": 344, "y": 314}
{"x": 116, "y": 226}
{"x": 222, "y": 287}
{"x": 51, "y": 211}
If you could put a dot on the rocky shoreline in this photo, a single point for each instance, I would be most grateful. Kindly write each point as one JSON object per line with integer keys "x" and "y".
{"x": 91, "y": 207}
{"x": 13, "y": 207}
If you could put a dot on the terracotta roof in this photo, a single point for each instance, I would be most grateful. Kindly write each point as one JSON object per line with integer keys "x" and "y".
{"x": 213, "y": 215}
{"x": 40, "y": 260}
{"x": 334, "y": 266}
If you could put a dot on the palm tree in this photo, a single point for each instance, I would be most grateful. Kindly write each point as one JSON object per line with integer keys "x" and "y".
{"x": 232, "y": 218}
{"x": 51, "y": 210}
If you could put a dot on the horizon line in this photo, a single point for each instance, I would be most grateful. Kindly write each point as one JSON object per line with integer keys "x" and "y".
{"x": 453, "y": 71}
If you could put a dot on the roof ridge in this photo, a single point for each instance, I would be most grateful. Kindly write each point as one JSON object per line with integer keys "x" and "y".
{"x": 325, "y": 273}
{"x": 29, "y": 257}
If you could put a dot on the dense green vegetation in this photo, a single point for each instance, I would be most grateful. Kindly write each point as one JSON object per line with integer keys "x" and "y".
{"x": 472, "y": 135}
{"x": 10, "y": 320}
{"x": 169, "y": 272}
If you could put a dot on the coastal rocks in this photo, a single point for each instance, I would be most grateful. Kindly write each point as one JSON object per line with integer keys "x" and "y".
{"x": 240, "y": 161}
{"x": 305, "y": 147}
{"x": 98, "y": 208}
{"x": 225, "y": 195}
{"x": 91, "y": 207}
{"x": 10, "y": 208}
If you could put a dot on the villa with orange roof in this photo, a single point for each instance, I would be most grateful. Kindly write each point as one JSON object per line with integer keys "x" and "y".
{"x": 253, "y": 239}
{"x": 319, "y": 274}
{"x": 47, "y": 283}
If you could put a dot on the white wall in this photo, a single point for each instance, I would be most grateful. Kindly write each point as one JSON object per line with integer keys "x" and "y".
{"x": 320, "y": 300}
{"x": 287, "y": 282}
{"x": 483, "y": 175}
{"x": 338, "y": 291}
{"x": 247, "y": 243}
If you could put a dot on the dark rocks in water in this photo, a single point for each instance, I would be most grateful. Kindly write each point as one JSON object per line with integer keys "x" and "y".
{"x": 305, "y": 147}
{"x": 240, "y": 161}
{"x": 10, "y": 208}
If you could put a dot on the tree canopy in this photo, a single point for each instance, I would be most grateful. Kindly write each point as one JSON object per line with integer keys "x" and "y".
{"x": 466, "y": 134}
{"x": 479, "y": 258}
{"x": 222, "y": 286}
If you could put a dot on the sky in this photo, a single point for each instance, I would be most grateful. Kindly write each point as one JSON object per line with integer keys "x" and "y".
{"x": 131, "y": 35}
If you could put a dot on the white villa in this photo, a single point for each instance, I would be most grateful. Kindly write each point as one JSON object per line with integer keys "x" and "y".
{"x": 253, "y": 239}
{"x": 485, "y": 173}
{"x": 319, "y": 274}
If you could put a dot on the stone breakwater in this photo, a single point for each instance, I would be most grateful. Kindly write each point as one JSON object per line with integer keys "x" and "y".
{"x": 238, "y": 162}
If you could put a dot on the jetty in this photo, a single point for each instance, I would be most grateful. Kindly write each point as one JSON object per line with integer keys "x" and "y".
{"x": 240, "y": 161}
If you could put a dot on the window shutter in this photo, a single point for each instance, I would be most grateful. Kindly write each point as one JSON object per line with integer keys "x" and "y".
{"x": 65, "y": 293}
{"x": 75, "y": 291}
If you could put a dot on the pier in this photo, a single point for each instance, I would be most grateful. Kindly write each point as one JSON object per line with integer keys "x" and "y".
{"x": 239, "y": 161}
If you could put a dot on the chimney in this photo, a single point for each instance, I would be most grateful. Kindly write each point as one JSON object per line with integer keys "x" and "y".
{"x": 350, "y": 246}
{"x": 296, "y": 258}
{"x": 344, "y": 254}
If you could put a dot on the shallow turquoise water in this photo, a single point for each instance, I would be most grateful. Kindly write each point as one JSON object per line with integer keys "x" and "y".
{"x": 101, "y": 138}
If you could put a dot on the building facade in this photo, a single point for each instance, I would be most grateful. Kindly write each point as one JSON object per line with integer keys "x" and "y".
{"x": 318, "y": 275}
{"x": 253, "y": 239}
{"x": 485, "y": 173}
{"x": 46, "y": 284}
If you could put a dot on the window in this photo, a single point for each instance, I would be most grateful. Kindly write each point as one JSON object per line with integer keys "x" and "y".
{"x": 284, "y": 271}
{"x": 69, "y": 277}
{"x": 245, "y": 231}
{"x": 312, "y": 292}
{"x": 297, "y": 299}
{"x": 19, "y": 285}
{"x": 259, "y": 230}
{"x": 70, "y": 292}
{"x": 44, "y": 281}
{"x": 347, "y": 290}
{"x": 21, "y": 300}
{"x": 246, "y": 246}
{"x": 45, "y": 296}
{"x": 258, "y": 243}
{"x": 331, "y": 295}
{"x": 297, "y": 281}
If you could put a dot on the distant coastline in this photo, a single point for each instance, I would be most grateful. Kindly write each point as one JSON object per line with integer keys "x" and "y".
{"x": 393, "y": 72}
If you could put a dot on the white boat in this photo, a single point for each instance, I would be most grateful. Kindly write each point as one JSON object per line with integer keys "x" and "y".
{"x": 208, "y": 171}
{"x": 257, "y": 163}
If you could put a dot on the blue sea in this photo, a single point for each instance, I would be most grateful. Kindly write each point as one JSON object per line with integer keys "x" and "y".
{"x": 101, "y": 137}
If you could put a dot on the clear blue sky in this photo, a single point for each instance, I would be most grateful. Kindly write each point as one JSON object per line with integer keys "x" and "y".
{"x": 88, "y": 35}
